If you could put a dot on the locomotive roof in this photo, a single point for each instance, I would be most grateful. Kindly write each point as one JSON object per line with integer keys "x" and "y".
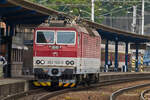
{"x": 26, "y": 13}
{"x": 79, "y": 28}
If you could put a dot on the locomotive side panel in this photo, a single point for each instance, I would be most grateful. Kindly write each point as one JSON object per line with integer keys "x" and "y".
{"x": 89, "y": 52}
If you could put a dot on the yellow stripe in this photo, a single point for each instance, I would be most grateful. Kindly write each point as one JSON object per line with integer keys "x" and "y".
{"x": 36, "y": 83}
{"x": 67, "y": 84}
{"x": 142, "y": 63}
{"x": 73, "y": 84}
{"x": 60, "y": 84}
{"x": 133, "y": 64}
{"x": 43, "y": 84}
{"x": 141, "y": 69}
{"x": 141, "y": 60}
{"x": 48, "y": 83}
{"x": 141, "y": 66}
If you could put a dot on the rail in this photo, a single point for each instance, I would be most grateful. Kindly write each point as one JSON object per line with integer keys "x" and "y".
{"x": 104, "y": 83}
{"x": 143, "y": 93}
{"x": 58, "y": 92}
{"x": 22, "y": 94}
{"x": 120, "y": 91}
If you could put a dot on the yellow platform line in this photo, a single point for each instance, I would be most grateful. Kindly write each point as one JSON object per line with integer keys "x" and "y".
{"x": 142, "y": 61}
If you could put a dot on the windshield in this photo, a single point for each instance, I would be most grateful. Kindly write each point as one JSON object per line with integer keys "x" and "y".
{"x": 45, "y": 37}
{"x": 64, "y": 37}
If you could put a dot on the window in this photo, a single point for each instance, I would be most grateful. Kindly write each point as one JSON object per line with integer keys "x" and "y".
{"x": 65, "y": 37}
{"x": 45, "y": 37}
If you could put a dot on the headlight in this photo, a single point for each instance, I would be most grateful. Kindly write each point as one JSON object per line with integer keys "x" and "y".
{"x": 42, "y": 62}
{"x": 72, "y": 62}
{"x": 38, "y": 62}
{"x": 67, "y": 62}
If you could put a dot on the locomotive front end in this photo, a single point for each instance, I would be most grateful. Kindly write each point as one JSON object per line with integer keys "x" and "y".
{"x": 55, "y": 56}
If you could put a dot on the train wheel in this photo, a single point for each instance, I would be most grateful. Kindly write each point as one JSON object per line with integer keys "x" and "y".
{"x": 89, "y": 79}
{"x": 96, "y": 79}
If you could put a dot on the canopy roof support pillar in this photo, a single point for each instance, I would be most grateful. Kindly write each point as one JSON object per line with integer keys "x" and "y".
{"x": 116, "y": 56}
{"x": 136, "y": 59}
{"x": 9, "y": 49}
{"x": 126, "y": 56}
{"x": 106, "y": 55}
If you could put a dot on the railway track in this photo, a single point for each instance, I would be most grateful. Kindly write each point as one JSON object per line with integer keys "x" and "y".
{"x": 129, "y": 93}
{"x": 30, "y": 95}
{"x": 145, "y": 94}
{"x": 42, "y": 94}
{"x": 49, "y": 96}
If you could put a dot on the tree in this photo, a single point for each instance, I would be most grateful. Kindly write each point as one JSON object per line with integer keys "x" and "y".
{"x": 82, "y": 8}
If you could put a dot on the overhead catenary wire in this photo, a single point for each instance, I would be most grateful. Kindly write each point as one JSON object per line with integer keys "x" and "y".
{"x": 129, "y": 1}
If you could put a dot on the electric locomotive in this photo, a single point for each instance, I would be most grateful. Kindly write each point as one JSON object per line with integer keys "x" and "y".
{"x": 66, "y": 56}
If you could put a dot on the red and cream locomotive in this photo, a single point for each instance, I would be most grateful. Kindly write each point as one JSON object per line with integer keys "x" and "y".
{"x": 65, "y": 56}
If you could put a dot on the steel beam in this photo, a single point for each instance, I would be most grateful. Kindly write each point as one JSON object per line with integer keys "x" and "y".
{"x": 126, "y": 56}
{"x": 106, "y": 54}
{"x": 116, "y": 56}
{"x": 9, "y": 48}
{"x": 136, "y": 59}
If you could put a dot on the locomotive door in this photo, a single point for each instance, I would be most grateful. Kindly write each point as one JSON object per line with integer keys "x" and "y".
{"x": 81, "y": 49}
{"x": 79, "y": 42}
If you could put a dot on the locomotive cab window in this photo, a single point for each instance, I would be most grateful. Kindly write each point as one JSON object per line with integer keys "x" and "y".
{"x": 66, "y": 37}
{"x": 45, "y": 37}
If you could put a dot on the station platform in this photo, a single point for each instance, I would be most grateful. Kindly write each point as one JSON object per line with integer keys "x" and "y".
{"x": 11, "y": 86}
{"x": 106, "y": 76}
{"x": 122, "y": 73}
{"x": 11, "y": 81}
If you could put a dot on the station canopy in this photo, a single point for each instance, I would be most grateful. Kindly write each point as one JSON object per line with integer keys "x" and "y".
{"x": 23, "y": 12}
{"x": 17, "y": 12}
